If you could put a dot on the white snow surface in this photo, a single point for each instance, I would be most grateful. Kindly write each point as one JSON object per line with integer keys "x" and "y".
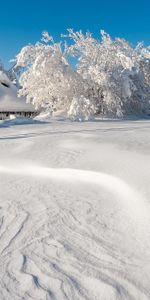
{"x": 75, "y": 210}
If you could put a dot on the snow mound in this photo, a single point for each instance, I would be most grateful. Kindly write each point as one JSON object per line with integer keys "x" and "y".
{"x": 43, "y": 116}
{"x": 17, "y": 121}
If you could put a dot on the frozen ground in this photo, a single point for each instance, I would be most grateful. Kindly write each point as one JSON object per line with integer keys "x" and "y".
{"x": 75, "y": 211}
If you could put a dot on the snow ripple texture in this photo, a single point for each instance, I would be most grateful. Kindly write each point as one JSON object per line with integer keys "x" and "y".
{"x": 75, "y": 211}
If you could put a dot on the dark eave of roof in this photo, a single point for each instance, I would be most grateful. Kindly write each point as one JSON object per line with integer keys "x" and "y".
{"x": 5, "y": 84}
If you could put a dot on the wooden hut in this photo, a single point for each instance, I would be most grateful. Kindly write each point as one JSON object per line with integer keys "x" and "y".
{"x": 10, "y": 104}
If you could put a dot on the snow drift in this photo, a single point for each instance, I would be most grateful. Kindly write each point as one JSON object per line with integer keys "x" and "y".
{"x": 75, "y": 211}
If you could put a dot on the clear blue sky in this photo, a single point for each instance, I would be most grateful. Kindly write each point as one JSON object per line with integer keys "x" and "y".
{"x": 22, "y": 21}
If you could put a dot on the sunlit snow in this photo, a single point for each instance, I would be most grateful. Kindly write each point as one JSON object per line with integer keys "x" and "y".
{"x": 75, "y": 210}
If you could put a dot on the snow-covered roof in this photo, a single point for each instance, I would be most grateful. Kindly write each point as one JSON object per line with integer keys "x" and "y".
{"x": 8, "y": 97}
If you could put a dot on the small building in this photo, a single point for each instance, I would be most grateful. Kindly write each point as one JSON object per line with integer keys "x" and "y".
{"x": 10, "y": 104}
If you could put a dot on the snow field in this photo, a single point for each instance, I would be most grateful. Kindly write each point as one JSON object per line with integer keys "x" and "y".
{"x": 74, "y": 211}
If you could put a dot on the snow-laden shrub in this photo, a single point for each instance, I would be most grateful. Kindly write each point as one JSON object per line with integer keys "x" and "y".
{"x": 81, "y": 109}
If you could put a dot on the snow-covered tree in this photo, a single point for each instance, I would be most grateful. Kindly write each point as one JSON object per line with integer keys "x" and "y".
{"x": 110, "y": 77}
{"x": 47, "y": 80}
{"x": 113, "y": 71}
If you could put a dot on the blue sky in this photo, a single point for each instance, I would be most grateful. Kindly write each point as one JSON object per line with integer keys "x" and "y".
{"x": 21, "y": 22}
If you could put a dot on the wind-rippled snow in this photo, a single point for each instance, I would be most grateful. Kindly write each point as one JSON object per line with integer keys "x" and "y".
{"x": 75, "y": 211}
